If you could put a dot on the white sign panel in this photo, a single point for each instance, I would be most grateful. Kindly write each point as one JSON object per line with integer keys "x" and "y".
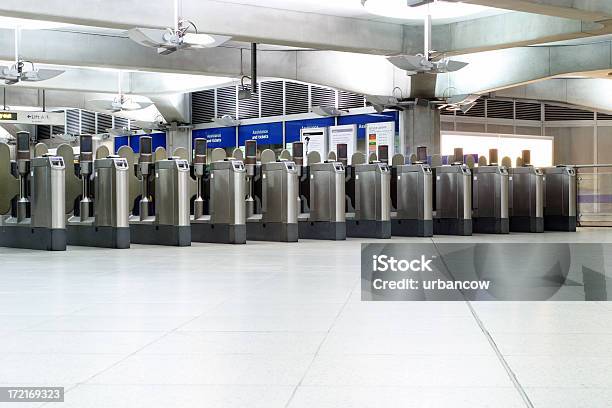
{"x": 33, "y": 118}
{"x": 343, "y": 134}
{"x": 315, "y": 140}
{"x": 381, "y": 134}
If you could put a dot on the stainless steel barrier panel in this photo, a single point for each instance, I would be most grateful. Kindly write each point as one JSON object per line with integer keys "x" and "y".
{"x": 594, "y": 195}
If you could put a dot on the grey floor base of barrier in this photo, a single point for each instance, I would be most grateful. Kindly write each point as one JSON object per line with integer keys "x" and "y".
{"x": 490, "y": 225}
{"x": 46, "y": 239}
{"x": 335, "y": 231}
{"x": 411, "y": 228}
{"x": 526, "y": 224}
{"x": 154, "y": 234}
{"x": 368, "y": 229}
{"x": 271, "y": 231}
{"x": 452, "y": 226}
{"x": 218, "y": 233}
{"x": 102, "y": 237}
{"x": 559, "y": 223}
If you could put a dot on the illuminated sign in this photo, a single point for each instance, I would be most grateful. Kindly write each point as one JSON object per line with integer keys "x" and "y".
{"x": 8, "y": 115}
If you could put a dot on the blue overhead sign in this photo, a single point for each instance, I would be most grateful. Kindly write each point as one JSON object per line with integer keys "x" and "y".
{"x": 362, "y": 120}
{"x": 293, "y": 127}
{"x": 121, "y": 141}
{"x": 158, "y": 140}
{"x": 217, "y": 137}
{"x": 263, "y": 133}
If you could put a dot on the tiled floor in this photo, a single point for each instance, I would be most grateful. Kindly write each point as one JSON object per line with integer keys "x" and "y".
{"x": 282, "y": 325}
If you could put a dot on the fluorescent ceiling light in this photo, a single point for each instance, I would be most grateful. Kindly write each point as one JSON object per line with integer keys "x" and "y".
{"x": 26, "y": 24}
{"x": 439, "y": 10}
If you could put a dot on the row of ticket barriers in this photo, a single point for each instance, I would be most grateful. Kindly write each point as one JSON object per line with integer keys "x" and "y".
{"x": 104, "y": 200}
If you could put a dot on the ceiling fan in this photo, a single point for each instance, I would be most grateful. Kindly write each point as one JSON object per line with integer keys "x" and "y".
{"x": 426, "y": 62}
{"x": 172, "y": 39}
{"x": 120, "y": 102}
{"x": 23, "y": 70}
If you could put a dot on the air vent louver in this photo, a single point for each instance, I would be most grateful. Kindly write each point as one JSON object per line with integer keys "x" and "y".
{"x": 203, "y": 106}
{"x": 88, "y": 122}
{"x": 500, "y": 109}
{"x": 322, "y": 97}
{"x": 348, "y": 100}
{"x": 105, "y": 122}
{"x": 73, "y": 121}
{"x": 296, "y": 98}
{"x": 477, "y": 111}
{"x": 226, "y": 101}
{"x": 528, "y": 111}
{"x": 271, "y": 98}
{"x": 562, "y": 113}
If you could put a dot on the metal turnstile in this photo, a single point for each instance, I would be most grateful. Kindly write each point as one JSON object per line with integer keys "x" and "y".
{"x": 560, "y": 198}
{"x": 163, "y": 209}
{"x": 32, "y": 192}
{"x": 490, "y": 200}
{"x": 219, "y": 207}
{"x": 369, "y": 200}
{"x": 326, "y": 218}
{"x": 452, "y": 200}
{"x": 100, "y": 217}
{"x": 321, "y": 197}
{"x": 526, "y": 199}
{"x": 273, "y": 197}
{"x": 411, "y": 197}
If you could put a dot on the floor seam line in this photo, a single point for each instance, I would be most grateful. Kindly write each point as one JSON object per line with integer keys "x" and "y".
{"x": 318, "y": 350}
{"x": 500, "y": 357}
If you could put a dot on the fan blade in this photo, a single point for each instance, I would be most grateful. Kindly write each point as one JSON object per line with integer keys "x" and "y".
{"x": 205, "y": 40}
{"x": 40, "y": 75}
{"x": 166, "y": 50}
{"x": 149, "y": 37}
{"x": 453, "y": 66}
{"x": 444, "y": 66}
{"x": 410, "y": 63}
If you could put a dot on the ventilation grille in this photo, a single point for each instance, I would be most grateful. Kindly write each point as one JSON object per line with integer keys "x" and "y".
{"x": 604, "y": 116}
{"x": 43, "y": 132}
{"x": 105, "y": 122}
{"x": 73, "y": 121}
{"x": 248, "y": 108}
{"x": 203, "y": 106}
{"x": 562, "y": 113}
{"x": 477, "y": 111}
{"x": 500, "y": 109}
{"x": 447, "y": 112}
{"x": 133, "y": 125}
{"x": 348, "y": 100}
{"x": 324, "y": 97}
{"x": 271, "y": 98}
{"x": 528, "y": 111}
{"x": 121, "y": 123}
{"x": 58, "y": 130}
{"x": 226, "y": 101}
{"x": 296, "y": 98}
{"x": 88, "y": 122}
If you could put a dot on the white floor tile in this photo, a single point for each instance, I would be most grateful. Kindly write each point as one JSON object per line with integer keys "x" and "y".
{"x": 562, "y": 371}
{"x": 191, "y": 343}
{"x": 183, "y": 396}
{"x": 570, "y": 397}
{"x": 77, "y": 342}
{"x": 53, "y": 369}
{"x": 112, "y": 323}
{"x": 208, "y": 369}
{"x": 410, "y": 371}
{"x": 406, "y": 397}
